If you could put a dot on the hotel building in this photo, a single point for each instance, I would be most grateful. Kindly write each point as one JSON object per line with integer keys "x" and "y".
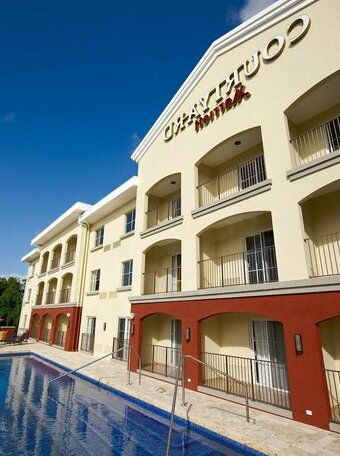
{"x": 234, "y": 254}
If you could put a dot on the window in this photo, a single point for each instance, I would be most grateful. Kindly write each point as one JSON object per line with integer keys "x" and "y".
{"x": 174, "y": 208}
{"x": 29, "y": 294}
{"x": 99, "y": 237}
{"x": 127, "y": 273}
{"x": 95, "y": 280}
{"x": 130, "y": 219}
{"x": 24, "y": 322}
{"x": 32, "y": 270}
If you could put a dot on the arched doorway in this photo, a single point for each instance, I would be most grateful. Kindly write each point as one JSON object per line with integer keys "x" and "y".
{"x": 35, "y": 326}
{"x": 46, "y": 329}
{"x": 61, "y": 330}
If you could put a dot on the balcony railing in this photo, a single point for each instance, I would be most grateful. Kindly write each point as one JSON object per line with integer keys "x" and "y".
{"x": 60, "y": 338}
{"x": 160, "y": 359}
{"x": 55, "y": 263}
{"x": 43, "y": 268}
{"x": 45, "y": 335}
{"x": 267, "y": 380}
{"x": 50, "y": 297}
{"x": 233, "y": 181}
{"x": 117, "y": 344}
{"x": 38, "y": 299}
{"x": 316, "y": 143}
{"x": 163, "y": 213}
{"x": 166, "y": 280}
{"x": 324, "y": 254}
{"x": 254, "y": 266}
{"x": 70, "y": 255}
{"x": 333, "y": 383}
{"x": 87, "y": 342}
{"x": 65, "y": 295}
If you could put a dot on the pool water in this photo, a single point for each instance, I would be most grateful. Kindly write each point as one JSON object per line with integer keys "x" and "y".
{"x": 75, "y": 417}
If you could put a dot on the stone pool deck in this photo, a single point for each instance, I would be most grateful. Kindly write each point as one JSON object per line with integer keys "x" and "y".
{"x": 268, "y": 433}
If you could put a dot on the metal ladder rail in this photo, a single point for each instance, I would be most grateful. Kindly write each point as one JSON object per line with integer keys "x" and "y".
{"x": 130, "y": 347}
{"x": 181, "y": 364}
{"x": 84, "y": 365}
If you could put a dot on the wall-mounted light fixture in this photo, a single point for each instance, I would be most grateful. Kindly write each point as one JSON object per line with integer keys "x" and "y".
{"x": 132, "y": 329}
{"x": 104, "y": 326}
{"x": 298, "y": 344}
{"x": 187, "y": 334}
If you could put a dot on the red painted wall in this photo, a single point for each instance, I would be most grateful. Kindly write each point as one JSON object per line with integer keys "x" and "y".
{"x": 299, "y": 313}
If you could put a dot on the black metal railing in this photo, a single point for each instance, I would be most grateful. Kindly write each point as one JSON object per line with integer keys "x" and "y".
{"x": 324, "y": 254}
{"x": 267, "y": 380}
{"x": 160, "y": 359}
{"x": 65, "y": 295}
{"x": 45, "y": 335}
{"x": 254, "y": 266}
{"x": 333, "y": 383}
{"x": 117, "y": 344}
{"x": 55, "y": 263}
{"x": 87, "y": 342}
{"x": 163, "y": 213}
{"x": 166, "y": 280}
{"x": 50, "y": 297}
{"x": 69, "y": 256}
{"x": 233, "y": 181}
{"x": 60, "y": 338}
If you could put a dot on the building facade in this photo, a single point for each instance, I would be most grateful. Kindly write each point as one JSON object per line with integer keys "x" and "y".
{"x": 235, "y": 253}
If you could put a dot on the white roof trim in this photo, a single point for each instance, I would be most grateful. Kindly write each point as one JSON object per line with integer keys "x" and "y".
{"x": 72, "y": 213}
{"x": 31, "y": 255}
{"x": 248, "y": 29}
{"x": 115, "y": 194}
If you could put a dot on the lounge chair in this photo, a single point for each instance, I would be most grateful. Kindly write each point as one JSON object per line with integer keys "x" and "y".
{"x": 9, "y": 339}
{"x": 21, "y": 339}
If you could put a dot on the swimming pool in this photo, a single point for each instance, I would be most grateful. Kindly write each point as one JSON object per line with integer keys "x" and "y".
{"x": 77, "y": 418}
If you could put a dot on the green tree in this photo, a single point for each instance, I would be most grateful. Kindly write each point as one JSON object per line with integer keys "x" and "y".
{"x": 11, "y": 293}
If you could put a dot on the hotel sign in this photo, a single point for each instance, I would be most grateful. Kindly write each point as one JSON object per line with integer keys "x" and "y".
{"x": 221, "y": 99}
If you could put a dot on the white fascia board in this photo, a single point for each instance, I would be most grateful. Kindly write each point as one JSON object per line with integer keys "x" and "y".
{"x": 68, "y": 217}
{"x": 270, "y": 16}
{"x": 117, "y": 198}
{"x": 32, "y": 255}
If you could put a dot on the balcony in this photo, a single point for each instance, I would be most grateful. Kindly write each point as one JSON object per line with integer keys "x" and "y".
{"x": 323, "y": 253}
{"x": 164, "y": 213}
{"x": 249, "y": 267}
{"x": 50, "y": 297}
{"x": 45, "y": 335}
{"x": 60, "y": 338}
{"x": 70, "y": 256}
{"x": 38, "y": 299}
{"x": 87, "y": 342}
{"x": 65, "y": 295}
{"x": 55, "y": 263}
{"x": 166, "y": 280}
{"x": 160, "y": 359}
{"x": 267, "y": 380}
{"x": 233, "y": 181}
{"x": 316, "y": 143}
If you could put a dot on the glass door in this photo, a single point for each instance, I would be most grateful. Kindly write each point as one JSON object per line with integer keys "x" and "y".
{"x": 123, "y": 337}
{"x": 261, "y": 258}
{"x": 174, "y": 273}
{"x": 175, "y": 340}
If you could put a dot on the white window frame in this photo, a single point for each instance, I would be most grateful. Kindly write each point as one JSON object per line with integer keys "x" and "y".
{"x": 95, "y": 280}
{"x": 99, "y": 240}
{"x": 130, "y": 224}
{"x": 127, "y": 270}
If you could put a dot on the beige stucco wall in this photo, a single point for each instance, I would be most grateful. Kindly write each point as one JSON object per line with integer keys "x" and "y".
{"x": 329, "y": 331}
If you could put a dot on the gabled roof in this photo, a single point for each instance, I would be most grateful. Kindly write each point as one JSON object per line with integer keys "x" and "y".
{"x": 32, "y": 255}
{"x": 62, "y": 222}
{"x": 245, "y": 31}
{"x": 117, "y": 198}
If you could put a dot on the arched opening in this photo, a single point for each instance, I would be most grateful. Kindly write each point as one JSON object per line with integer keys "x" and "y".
{"x": 314, "y": 123}
{"x": 330, "y": 340}
{"x": 238, "y": 250}
{"x": 56, "y": 255}
{"x": 162, "y": 344}
{"x": 250, "y": 349}
{"x": 66, "y": 287}
{"x": 71, "y": 246}
{"x": 320, "y": 212}
{"x": 232, "y": 166}
{"x": 163, "y": 267}
{"x": 163, "y": 201}
{"x": 35, "y": 326}
{"x": 51, "y": 291}
{"x": 40, "y": 293}
{"x": 61, "y": 330}
{"x": 44, "y": 263}
{"x": 46, "y": 329}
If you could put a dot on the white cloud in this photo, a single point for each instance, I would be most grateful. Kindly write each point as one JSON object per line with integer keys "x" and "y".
{"x": 15, "y": 274}
{"x": 135, "y": 138}
{"x": 252, "y": 7}
{"x": 9, "y": 117}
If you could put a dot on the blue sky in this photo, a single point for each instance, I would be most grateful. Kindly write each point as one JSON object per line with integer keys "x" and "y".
{"x": 81, "y": 82}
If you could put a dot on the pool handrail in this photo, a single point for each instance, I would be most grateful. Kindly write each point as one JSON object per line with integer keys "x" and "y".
{"x": 96, "y": 360}
{"x": 130, "y": 347}
{"x": 181, "y": 364}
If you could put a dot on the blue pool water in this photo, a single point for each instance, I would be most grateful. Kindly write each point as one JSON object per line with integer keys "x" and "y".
{"x": 77, "y": 418}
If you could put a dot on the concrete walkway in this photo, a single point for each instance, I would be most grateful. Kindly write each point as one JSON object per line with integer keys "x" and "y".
{"x": 268, "y": 433}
